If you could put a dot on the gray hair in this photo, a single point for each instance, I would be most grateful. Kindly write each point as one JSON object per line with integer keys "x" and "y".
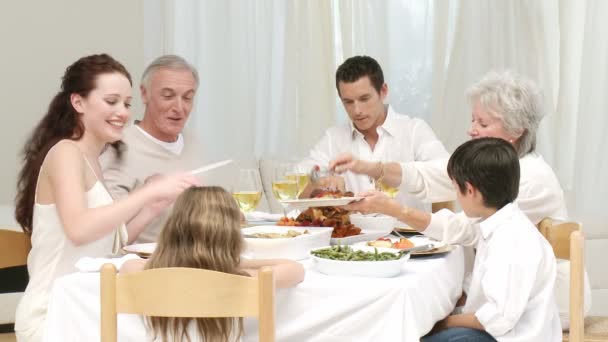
{"x": 513, "y": 99}
{"x": 173, "y": 62}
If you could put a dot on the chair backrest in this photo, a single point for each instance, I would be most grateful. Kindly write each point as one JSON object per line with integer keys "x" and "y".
{"x": 14, "y": 248}
{"x": 568, "y": 242}
{"x": 176, "y": 292}
{"x": 435, "y": 207}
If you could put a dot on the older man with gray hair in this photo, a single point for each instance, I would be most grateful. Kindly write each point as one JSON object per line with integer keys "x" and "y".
{"x": 157, "y": 144}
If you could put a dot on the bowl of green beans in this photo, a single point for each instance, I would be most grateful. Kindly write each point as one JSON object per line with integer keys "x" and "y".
{"x": 357, "y": 261}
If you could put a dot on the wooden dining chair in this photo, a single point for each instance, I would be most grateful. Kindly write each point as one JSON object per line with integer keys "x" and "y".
{"x": 436, "y": 206}
{"x": 568, "y": 243}
{"x": 176, "y": 292}
{"x": 14, "y": 248}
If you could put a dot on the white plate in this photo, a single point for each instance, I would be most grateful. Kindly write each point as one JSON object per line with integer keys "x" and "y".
{"x": 365, "y": 235}
{"x": 296, "y": 248}
{"x": 321, "y": 202}
{"x": 418, "y": 240}
{"x": 141, "y": 249}
{"x": 260, "y": 216}
{"x": 375, "y": 269}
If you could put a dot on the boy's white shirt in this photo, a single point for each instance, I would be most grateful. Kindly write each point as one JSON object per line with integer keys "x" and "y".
{"x": 512, "y": 286}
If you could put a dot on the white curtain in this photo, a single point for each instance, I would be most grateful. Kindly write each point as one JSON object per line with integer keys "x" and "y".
{"x": 267, "y": 70}
{"x": 589, "y": 158}
{"x": 399, "y": 35}
{"x": 561, "y": 45}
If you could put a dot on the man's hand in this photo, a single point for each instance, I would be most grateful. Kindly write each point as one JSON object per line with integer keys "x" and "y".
{"x": 345, "y": 162}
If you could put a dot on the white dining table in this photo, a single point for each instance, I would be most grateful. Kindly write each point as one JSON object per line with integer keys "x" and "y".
{"x": 321, "y": 308}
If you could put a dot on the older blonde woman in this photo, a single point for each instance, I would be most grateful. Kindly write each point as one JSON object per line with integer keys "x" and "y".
{"x": 504, "y": 105}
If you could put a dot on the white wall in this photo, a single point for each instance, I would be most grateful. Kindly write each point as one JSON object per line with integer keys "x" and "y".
{"x": 39, "y": 40}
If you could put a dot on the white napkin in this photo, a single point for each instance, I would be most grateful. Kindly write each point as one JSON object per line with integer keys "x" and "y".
{"x": 262, "y": 216}
{"x": 121, "y": 237}
{"x": 88, "y": 264}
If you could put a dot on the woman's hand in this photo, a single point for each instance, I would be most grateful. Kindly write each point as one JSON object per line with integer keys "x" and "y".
{"x": 166, "y": 188}
{"x": 375, "y": 202}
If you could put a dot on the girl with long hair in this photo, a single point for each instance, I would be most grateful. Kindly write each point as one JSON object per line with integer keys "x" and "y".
{"x": 61, "y": 200}
{"x": 203, "y": 231}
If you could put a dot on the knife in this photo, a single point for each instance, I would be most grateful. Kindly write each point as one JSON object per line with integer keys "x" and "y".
{"x": 211, "y": 167}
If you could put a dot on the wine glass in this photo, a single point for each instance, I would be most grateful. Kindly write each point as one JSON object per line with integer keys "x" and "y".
{"x": 380, "y": 185}
{"x": 301, "y": 177}
{"x": 248, "y": 190}
{"x": 284, "y": 188}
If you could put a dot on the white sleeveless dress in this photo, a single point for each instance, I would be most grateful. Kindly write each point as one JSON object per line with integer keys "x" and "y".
{"x": 54, "y": 255}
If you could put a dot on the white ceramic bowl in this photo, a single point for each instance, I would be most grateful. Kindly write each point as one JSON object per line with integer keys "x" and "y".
{"x": 377, "y": 223}
{"x": 374, "y": 269}
{"x": 296, "y": 248}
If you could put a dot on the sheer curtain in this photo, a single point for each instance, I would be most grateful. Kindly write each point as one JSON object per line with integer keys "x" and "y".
{"x": 266, "y": 71}
{"x": 399, "y": 35}
{"x": 590, "y": 154}
{"x": 563, "y": 46}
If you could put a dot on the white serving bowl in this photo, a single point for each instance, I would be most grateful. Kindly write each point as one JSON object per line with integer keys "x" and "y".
{"x": 374, "y": 269}
{"x": 374, "y": 223}
{"x": 296, "y": 248}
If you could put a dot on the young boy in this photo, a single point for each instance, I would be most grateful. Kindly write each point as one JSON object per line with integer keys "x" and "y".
{"x": 510, "y": 297}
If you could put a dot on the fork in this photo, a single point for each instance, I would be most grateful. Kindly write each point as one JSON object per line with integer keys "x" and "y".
{"x": 317, "y": 172}
{"x": 422, "y": 248}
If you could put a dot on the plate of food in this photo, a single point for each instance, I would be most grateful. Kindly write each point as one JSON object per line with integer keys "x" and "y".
{"x": 321, "y": 202}
{"x": 406, "y": 230}
{"x": 268, "y": 242}
{"x": 353, "y": 261}
{"x": 335, "y": 217}
{"x": 364, "y": 235}
{"x": 394, "y": 244}
{"x": 143, "y": 250}
{"x": 324, "y": 198}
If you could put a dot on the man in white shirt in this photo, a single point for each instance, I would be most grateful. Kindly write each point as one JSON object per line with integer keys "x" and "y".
{"x": 376, "y": 132}
{"x": 511, "y": 294}
{"x": 158, "y": 144}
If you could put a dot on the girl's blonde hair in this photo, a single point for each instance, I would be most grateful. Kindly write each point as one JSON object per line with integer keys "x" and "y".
{"x": 203, "y": 231}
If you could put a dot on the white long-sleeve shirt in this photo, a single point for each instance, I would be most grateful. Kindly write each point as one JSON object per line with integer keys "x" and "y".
{"x": 540, "y": 195}
{"x": 400, "y": 139}
{"x": 512, "y": 285}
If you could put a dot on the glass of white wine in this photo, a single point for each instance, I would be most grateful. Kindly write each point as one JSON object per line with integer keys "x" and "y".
{"x": 284, "y": 188}
{"x": 248, "y": 190}
{"x": 380, "y": 185}
{"x": 301, "y": 177}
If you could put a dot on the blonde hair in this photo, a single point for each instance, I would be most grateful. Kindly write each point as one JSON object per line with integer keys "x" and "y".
{"x": 203, "y": 231}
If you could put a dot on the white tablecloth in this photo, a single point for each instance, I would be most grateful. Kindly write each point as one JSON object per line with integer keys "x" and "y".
{"x": 322, "y": 308}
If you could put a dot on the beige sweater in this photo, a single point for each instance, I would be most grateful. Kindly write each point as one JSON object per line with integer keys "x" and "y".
{"x": 143, "y": 158}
